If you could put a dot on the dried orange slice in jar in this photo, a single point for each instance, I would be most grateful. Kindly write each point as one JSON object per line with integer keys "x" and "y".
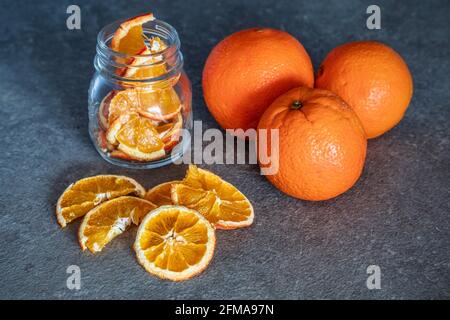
{"x": 85, "y": 194}
{"x": 175, "y": 243}
{"x": 157, "y": 100}
{"x": 110, "y": 219}
{"x": 148, "y": 65}
{"x": 160, "y": 194}
{"x": 124, "y": 102}
{"x": 129, "y": 38}
{"x": 219, "y": 201}
{"x": 139, "y": 139}
{"x": 169, "y": 131}
{"x": 158, "y": 104}
{"x": 132, "y": 115}
{"x": 155, "y": 105}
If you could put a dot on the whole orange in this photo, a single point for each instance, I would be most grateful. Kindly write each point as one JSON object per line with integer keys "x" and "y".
{"x": 322, "y": 145}
{"x": 247, "y": 70}
{"x": 373, "y": 79}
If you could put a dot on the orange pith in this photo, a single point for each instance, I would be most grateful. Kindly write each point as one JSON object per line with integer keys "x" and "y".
{"x": 219, "y": 201}
{"x": 174, "y": 243}
{"x": 161, "y": 194}
{"x": 85, "y": 194}
{"x": 110, "y": 219}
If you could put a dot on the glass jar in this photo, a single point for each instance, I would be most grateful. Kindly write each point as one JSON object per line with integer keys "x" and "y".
{"x": 140, "y": 105}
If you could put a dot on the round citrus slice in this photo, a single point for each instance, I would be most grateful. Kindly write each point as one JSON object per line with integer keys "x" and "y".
{"x": 160, "y": 194}
{"x": 129, "y": 38}
{"x": 157, "y": 105}
{"x": 219, "y": 201}
{"x": 110, "y": 219}
{"x": 174, "y": 243}
{"x": 85, "y": 194}
{"x": 139, "y": 139}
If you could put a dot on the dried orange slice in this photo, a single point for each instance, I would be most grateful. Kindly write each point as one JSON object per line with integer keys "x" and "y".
{"x": 85, "y": 194}
{"x": 170, "y": 131}
{"x": 160, "y": 104}
{"x": 110, "y": 219}
{"x": 160, "y": 194}
{"x": 156, "y": 67}
{"x": 115, "y": 127}
{"x": 129, "y": 38}
{"x": 219, "y": 201}
{"x": 139, "y": 139}
{"x": 124, "y": 102}
{"x": 174, "y": 243}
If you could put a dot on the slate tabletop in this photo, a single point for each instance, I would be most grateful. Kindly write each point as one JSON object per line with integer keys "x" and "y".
{"x": 395, "y": 217}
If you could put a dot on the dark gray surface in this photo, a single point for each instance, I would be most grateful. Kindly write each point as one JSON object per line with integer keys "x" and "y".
{"x": 396, "y": 216}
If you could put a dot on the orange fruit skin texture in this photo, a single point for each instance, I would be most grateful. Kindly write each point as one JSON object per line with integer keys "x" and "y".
{"x": 246, "y": 71}
{"x": 322, "y": 145}
{"x": 373, "y": 79}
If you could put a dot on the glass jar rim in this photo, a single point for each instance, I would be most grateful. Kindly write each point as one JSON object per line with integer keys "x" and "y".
{"x": 107, "y": 32}
{"x": 109, "y": 61}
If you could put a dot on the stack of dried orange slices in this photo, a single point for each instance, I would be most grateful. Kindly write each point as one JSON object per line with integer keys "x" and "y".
{"x": 143, "y": 121}
{"x": 176, "y": 219}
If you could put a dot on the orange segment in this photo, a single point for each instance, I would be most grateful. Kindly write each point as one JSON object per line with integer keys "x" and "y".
{"x": 160, "y": 194}
{"x": 85, "y": 194}
{"x": 174, "y": 243}
{"x": 139, "y": 139}
{"x": 129, "y": 38}
{"x": 110, "y": 219}
{"x": 219, "y": 201}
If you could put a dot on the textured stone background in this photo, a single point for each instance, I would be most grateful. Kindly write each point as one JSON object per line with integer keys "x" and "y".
{"x": 396, "y": 216}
